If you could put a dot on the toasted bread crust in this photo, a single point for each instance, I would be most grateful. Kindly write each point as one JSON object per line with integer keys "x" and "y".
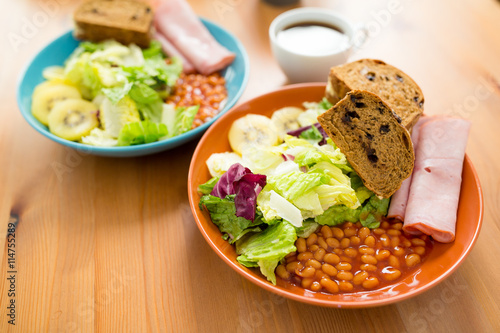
{"x": 126, "y": 21}
{"x": 391, "y": 84}
{"x": 371, "y": 137}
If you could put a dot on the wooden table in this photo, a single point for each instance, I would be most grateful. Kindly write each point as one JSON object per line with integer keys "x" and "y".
{"x": 110, "y": 245}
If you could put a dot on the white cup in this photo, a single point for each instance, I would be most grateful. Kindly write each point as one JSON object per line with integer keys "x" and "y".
{"x": 300, "y": 67}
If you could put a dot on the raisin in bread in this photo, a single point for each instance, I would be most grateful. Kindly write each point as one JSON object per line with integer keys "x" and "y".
{"x": 371, "y": 137}
{"x": 126, "y": 21}
{"x": 396, "y": 88}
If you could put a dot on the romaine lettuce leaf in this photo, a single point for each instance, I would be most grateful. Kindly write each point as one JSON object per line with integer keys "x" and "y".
{"x": 223, "y": 214}
{"x": 265, "y": 249}
{"x": 178, "y": 120}
{"x": 141, "y": 132}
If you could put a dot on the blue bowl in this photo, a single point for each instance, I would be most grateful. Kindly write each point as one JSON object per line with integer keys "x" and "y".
{"x": 59, "y": 50}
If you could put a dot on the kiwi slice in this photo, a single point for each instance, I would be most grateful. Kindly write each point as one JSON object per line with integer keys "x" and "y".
{"x": 73, "y": 118}
{"x": 47, "y": 95}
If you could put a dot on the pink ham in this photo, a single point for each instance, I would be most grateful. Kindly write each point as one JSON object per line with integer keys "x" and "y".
{"x": 437, "y": 177}
{"x": 179, "y": 24}
{"x": 399, "y": 199}
{"x": 171, "y": 50}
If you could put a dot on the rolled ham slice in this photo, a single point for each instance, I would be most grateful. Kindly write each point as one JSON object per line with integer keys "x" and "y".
{"x": 399, "y": 199}
{"x": 171, "y": 50}
{"x": 437, "y": 178}
{"x": 179, "y": 24}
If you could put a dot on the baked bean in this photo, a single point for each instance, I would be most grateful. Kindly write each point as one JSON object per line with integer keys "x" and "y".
{"x": 385, "y": 240}
{"x": 329, "y": 269}
{"x": 370, "y": 241}
{"x": 344, "y": 275}
{"x": 301, "y": 245}
{"x": 382, "y": 255}
{"x": 320, "y": 274}
{"x": 307, "y": 272}
{"x": 304, "y": 256}
{"x": 424, "y": 237}
{"x": 366, "y": 250}
{"x": 391, "y": 274}
{"x": 315, "y": 286}
{"x": 355, "y": 240}
{"x": 397, "y": 226}
{"x": 331, "y": 258}
{"x": 330, "y": 285}
{"x": 359, "y": 277}
{"x": 207, "y": 91}
{"x": 349, "y": 232}
{"x": 346, "y": 259}
{"x": 398, "y": 251}
{"x": 393, "y": 261}
{"x": 307, "y": 282}
{"x": 332, "y": 242}
{"x": 345, "y": 286}
{"x": 344, "y": 266}
{"x": 412, "y": 259}
{"x": 345, "y": 242}
{"x": 313, "y": 248}
{"x": 312, "y": 239}
{"x": 405, "y": 242}
{"x": 350, "y": 252}
{"x": 322, "y": 243}
{"x": 395, "y": 241}
{"x": 393, "y": 232}
{"x": 313, "y": 263}
{"x": 338, "y": 233}
{"x": 326, "y": 231}
{"x": 290, "y": 259}
{"x": 368, "y": 267}
{"x": 370, "y": 282}
{"x": 351, "y": 257}
{"x": 418, "y": 242}
{"x": 420, "y": 250}
{"x": 368, "y": 259}
{"x": 319, "y": 254}
{"x": 282, "y": 272}
{"x": 363, "y": 232}
{"x": 295, "y": 265}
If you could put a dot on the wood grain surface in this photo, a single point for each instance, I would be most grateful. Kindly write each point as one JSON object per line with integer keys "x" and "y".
{"x": 110, "y": 245}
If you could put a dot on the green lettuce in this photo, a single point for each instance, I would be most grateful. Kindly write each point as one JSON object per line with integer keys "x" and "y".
{"x": 178, "y": 120}
{"x": 223, "y": 214}
{"x": 141, "y": 132}
{"x": 265, "y": 249}
{"x": 370, "y": 212}
{"x": 206, "y": 188}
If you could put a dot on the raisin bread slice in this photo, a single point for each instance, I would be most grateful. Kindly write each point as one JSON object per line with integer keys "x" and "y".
{"x": 395, "y": 87}
{"x": 126, "y": 21}
{"x": 371, "y": 137}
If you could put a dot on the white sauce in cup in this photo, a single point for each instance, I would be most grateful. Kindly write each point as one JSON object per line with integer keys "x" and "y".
{"x": 312, "y": 39}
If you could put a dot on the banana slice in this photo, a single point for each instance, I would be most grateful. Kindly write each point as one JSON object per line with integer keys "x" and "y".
{"x": 47, "y": 95}
{"x": 219, "y": 163}
{"x": 54, "y": 74}
{"x": 252, "y": 130}
{"x": 285, "y": 119}
{"x": 73, "y": 118}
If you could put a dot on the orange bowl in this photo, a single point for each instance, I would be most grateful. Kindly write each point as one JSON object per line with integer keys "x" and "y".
{"x": 442, "y": 260}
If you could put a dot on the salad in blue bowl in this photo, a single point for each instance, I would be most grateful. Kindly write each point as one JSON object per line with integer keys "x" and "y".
{"x": 120, "y": 100}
